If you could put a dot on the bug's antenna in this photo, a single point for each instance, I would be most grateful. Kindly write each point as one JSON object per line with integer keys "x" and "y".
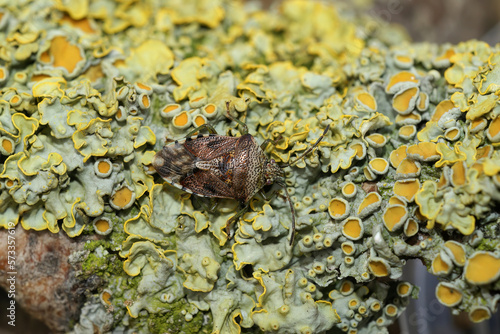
{"x": 283, "y": 185}
{"x": 307, "y": 151}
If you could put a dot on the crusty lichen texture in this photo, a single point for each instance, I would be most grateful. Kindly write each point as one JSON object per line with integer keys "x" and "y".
{"x": 410, "y": 167}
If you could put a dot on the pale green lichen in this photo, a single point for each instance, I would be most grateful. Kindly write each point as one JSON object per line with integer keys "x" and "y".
{"x": 93, "y": 90}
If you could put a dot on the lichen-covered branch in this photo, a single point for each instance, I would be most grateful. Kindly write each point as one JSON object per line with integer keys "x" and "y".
{"x": 410, "y": 168}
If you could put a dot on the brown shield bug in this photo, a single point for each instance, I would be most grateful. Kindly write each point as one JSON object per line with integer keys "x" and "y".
{"x": 223, "y": 167}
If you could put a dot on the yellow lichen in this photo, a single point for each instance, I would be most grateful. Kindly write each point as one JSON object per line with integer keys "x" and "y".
{"x": 369, "y": 204}
{"x": 209, "y": 110}
{"x": 86, "y": 90}
{"x": 391, "y": 310}
{"x": 477, "y": 125}
{"x": 484, "y": 152}
{"x": 456, "y": 251}
{"x": 106, "y": 297}
{"x": 379, "y": 166}
{"x": 401, "y": 79}
{"x": 347, "y": 287}
{"x": 83, "y": 23}
{"x": 411, "y": 227}
{"x": 423, "y": 101}
{"x": 404, "y": 289}
{"x": 104, "y": 166}
{"x": 398, "y": 155}
{"x": 152, "y": 57}
{"x": 482, "y": 268}
{"x": 122, "y": 198}
{"x": 349, "y": 189}
{"x": 409, "y": 119}
{"x": 448, "y": 295}
{"x": 376, "y": 140}
{"x": 407, "y": 131}
{"x": 408, "y": 168}
{"x": 379, "y": 267}
{"x": 102, "y": 225}
{"x": 407, "y": 188}
{"x": 199, "y": 120}
{"x": 493, "y": 131}
{"x": 458, "y": 173}
{"x": 479, "y": 314}
{"x": 170, "y": 110}
{"x": 424, "y": 151}
{"x": 62, "y": 53}
{"x": 352, "y": 228}
{"x": 394, "y": 216}
{"x": 482, "y": 107}
{"x": 7, "y": 146}
{"x": 360, "y": 150}
{"x": 440, "y": 266}
{"x": 348, "y": 248}
{"x": 396, "y": 200}
{"x": 441, "y": 109}
{"x": 338, "y": 208}
{"x": 366, "y": 101}
{"x": 452, "y": 134}
{"x": 404, "y": 101}
{"x": 182, "y": 120}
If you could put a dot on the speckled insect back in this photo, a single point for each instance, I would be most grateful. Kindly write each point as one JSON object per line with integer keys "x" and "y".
{"x": 218, "y": 166}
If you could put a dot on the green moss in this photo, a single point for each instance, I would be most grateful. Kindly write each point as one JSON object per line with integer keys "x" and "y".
{"x": 386, "y": 191}
{"x": 102, "y": 266}
{"x": 88, "y": 230}
{"x": 488, "y": 245}
{"x": 94, "y": 264}
{"x": 118, "y": 238}
{"x": 414, "y": 292}
{"x": 108, "y": 264}
{"x": 91, "y": 245}
{"x": 429, "y": 172}
{"x": 490, "y": 230}
{"x": 173, "y": 321}
{"x": 118, "y": 235}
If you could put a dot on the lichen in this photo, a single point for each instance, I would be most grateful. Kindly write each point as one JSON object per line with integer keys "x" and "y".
{"x": 408, "y": 169}
{"x": 101, "y": 260}
{"x": 174, "y": 321}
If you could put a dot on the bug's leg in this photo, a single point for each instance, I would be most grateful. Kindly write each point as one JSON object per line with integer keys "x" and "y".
{"x": 235, "y": 218}
{"x": 287, "y": 196}
{"x": 245, "y": 128}
{"x": 213, "y": 204}
{"x": 206, "y": 126}
{"x": 307, "y": 151}
{"x": 265, "y": 143}
{"x": 263, "y": 194}
{"x": 269, "y": 140}
{"x": 198, "y": 203}
{"x": 204, "y": 206}
{"x": 272, "y": 196}
{"x": 275, "y": 193}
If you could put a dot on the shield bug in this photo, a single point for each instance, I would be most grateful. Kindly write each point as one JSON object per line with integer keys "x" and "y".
{"x": 223, "y": 166}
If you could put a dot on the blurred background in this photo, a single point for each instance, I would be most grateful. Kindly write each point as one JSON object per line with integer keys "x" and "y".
{"x": 444, "y": 21}
{"x": 439, "y": 21}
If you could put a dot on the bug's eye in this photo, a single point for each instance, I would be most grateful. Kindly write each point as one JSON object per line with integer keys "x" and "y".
{"x": 268, "y": 182}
